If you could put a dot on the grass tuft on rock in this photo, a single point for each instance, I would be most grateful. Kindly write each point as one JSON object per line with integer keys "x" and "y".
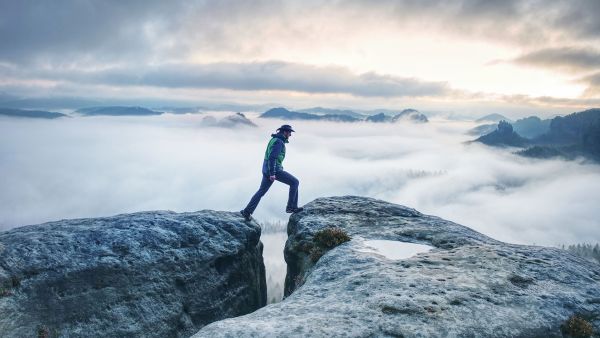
{"x": 325, "y": 240}
{"x": 315, "y": 254}
{"x": 15, "y": 281}
{"x": 330, "y": 237}
{"x": 577, "y": 327}
{"x": 43, "y": 332}
{"x": 4, "y": 292}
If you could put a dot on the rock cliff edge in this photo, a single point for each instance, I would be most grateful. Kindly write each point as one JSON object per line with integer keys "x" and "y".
{"x": 467, "y": 285}
{"x": 146, "y": 274}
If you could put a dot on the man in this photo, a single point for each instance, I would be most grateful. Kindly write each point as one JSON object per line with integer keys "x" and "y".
{"x": 272, "y": 170}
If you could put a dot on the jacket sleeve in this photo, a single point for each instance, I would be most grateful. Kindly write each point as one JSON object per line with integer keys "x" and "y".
{"x": 275, "y": 151}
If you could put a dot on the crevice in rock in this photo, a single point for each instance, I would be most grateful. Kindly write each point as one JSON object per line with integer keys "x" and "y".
{"x": 273, "y": 239}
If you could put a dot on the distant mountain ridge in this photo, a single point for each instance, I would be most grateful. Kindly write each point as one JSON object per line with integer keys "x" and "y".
{"x": 577, "y": 134}
{"x": 231, "y": 121}
{"x": 379, "y": 118}
{"x": 493, "y": 118}
{"x": 330, "y": 111}
{"x": 117, "y": 111}
{"x": 529, "y": 127}
{"x": 10, "y": 101}
{"x": 571, "y": 128}
{"x": 532, "y": 126}
{"x": 412, "y": 115}
{"x": 30, "y": 113}
{"x": 283, "y": 113}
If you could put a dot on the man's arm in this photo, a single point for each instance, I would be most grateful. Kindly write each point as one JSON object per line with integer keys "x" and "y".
{"x": 275, "y": 151}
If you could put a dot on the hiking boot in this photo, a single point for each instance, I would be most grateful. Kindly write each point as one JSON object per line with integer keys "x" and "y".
{"x": 293, "y": 210}
{"x": 246, "y": 214}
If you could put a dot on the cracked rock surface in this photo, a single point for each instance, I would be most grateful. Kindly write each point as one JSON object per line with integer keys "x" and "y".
{"x": 145, "y": 274}
{"x": 468, "y": 285}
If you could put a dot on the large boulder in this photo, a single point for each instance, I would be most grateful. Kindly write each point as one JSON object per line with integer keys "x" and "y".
{"x": 467, "y": 285}
{"x": 146, "y": 274}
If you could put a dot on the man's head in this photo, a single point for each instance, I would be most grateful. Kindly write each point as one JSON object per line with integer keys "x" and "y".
{"x": 286, "y": 130}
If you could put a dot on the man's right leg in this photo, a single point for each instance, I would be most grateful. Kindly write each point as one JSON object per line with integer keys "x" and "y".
{"x": 289, "y": 179}
{"x": 265, "y": 184}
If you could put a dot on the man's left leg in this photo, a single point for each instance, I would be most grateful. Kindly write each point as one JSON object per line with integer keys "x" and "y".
{"x": 289, "y": 179}
{"x": 265, "y": 184}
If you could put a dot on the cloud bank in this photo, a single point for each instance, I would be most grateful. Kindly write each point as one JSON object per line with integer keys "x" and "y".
{"x": 272, "y": 75}
{"x": 571, "y": 60}
{"x": 99, "y": 166}
{"x": 568, "y": 58}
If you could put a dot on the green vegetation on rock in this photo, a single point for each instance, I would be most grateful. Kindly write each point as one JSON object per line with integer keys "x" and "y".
{"x": 325, "y": 240}
{"x": 577, "y": 327}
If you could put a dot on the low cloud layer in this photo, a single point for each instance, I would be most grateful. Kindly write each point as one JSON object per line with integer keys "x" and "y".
{"x": 99, "y": 166}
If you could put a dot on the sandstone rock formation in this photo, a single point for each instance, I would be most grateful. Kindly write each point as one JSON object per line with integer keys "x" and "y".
{"x": 468, "y": 285}
{"x": 146, "y": 274}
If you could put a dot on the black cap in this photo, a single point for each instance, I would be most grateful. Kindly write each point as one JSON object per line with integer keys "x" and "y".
{"x": 286, "y": 127}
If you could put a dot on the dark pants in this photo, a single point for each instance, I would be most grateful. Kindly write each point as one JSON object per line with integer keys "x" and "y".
{"x": 265, "y": 184}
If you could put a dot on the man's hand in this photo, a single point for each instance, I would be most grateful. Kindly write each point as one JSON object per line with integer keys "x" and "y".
{"x": 272, "y": 178}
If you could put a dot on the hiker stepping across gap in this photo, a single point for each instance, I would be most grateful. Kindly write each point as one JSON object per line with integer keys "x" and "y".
{"x": 272, "y": 170}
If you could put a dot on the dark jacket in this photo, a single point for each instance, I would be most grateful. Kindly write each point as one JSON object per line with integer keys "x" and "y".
{"x": 274, "y": 155}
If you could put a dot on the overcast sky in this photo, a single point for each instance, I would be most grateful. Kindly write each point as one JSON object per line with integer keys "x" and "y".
{"x": 441, "y": 55}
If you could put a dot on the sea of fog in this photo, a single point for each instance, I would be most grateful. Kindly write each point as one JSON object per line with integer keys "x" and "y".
{"x": 100, "y": 166}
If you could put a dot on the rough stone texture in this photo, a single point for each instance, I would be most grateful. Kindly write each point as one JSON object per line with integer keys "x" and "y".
{"x": 469, "y": 285}
{"x": 146, "y": 274}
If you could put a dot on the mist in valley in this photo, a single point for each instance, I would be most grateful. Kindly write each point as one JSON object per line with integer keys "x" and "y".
{"x": 100, "y": 166}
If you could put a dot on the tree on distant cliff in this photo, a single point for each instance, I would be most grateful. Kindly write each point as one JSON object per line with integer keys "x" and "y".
{"x": 570, "y": 129}
{"x": 591, "y": 139}
{"x": 589, "y": 251}
{"x": 505, "y": 128}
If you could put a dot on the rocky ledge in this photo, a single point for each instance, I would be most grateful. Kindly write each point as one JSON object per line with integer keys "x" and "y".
{"x": 146, "y": 274}
{"x": 467, "y": 285}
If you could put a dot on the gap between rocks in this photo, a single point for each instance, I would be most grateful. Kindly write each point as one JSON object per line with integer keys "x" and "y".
{"x": 273, "y": 237}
